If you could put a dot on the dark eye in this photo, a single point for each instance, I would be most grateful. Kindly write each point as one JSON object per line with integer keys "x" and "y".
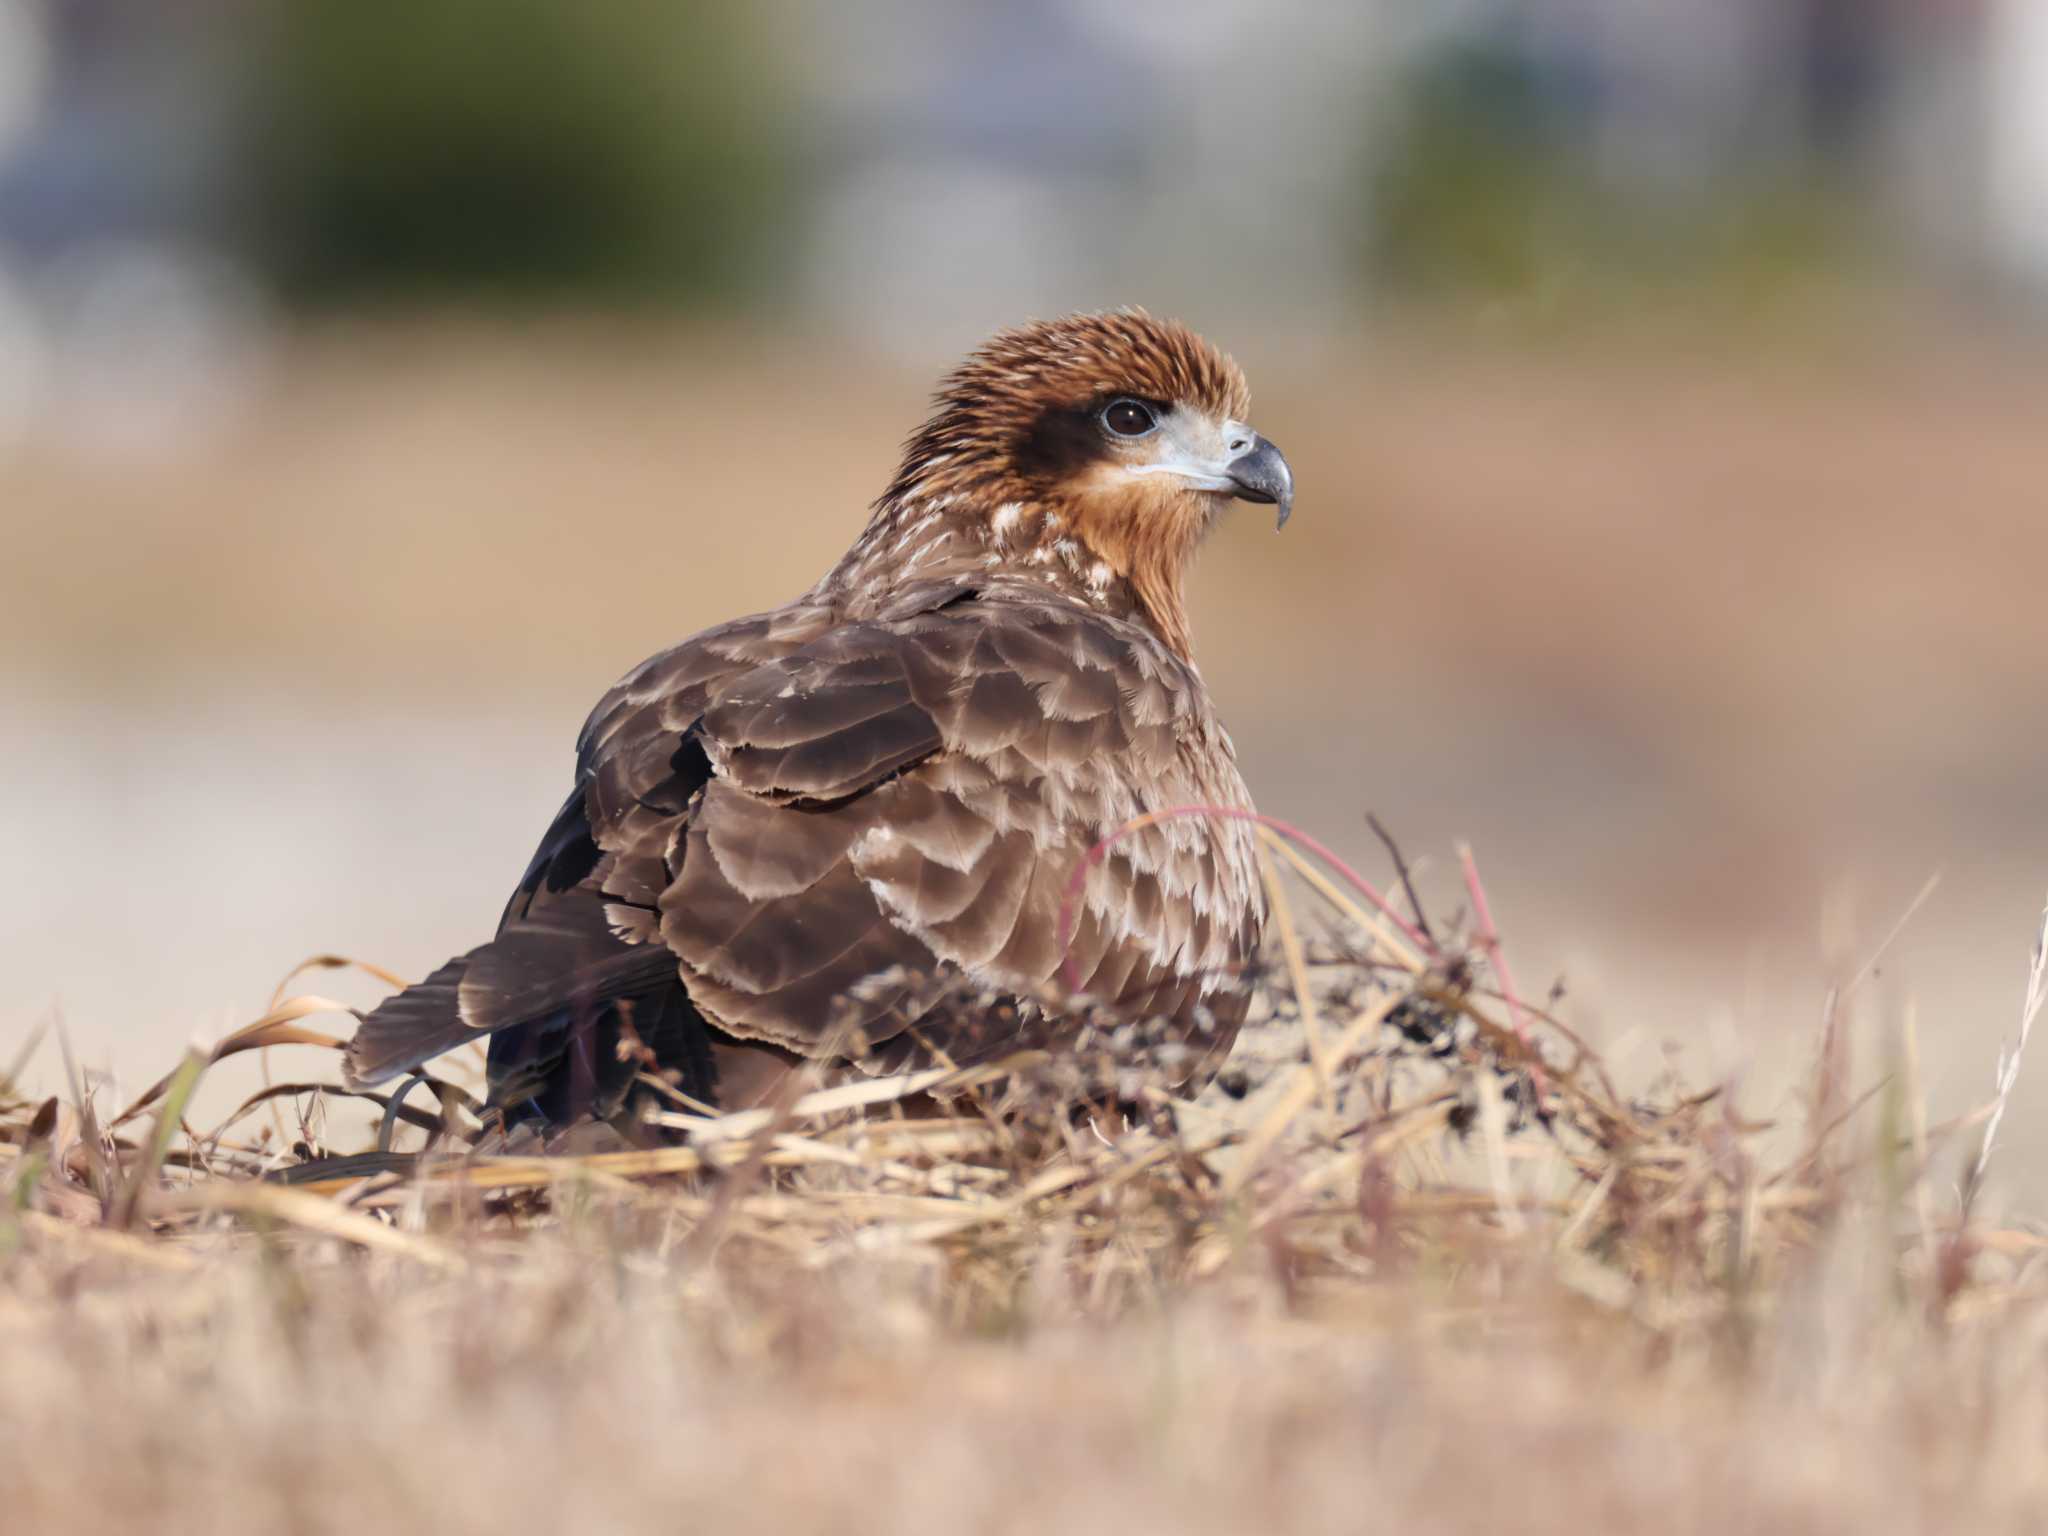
{"x": 1129, "y": 418}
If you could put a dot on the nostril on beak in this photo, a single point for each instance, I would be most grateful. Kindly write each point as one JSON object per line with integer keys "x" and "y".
{"x": 1239, "y": 444}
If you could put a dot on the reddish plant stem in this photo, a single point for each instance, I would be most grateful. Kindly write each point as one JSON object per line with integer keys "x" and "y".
{"x": 1496, "y": 957}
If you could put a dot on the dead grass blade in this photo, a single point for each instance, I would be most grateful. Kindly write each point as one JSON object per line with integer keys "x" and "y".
{"x": 177, "y": 1094}
{"x": 302, "y": 1209}
{"x": 1300, "y": 1094}
{"x": 278, "y": 1027}
{"x": 10, "y": 1081}
{"x": 2009, "y": 1062}
{"x": 99, "y": 1176}
{"x": 396, "y": 982}
{"x": 1297, "y": 969}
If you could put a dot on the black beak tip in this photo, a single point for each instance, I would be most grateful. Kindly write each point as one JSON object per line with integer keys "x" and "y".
{"x": 1261, "y": 475}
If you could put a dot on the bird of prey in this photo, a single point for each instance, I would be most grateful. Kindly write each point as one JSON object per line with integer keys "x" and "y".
{"x": 785, "y": 827}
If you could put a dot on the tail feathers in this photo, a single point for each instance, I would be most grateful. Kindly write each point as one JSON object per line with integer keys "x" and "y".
{"x": 523, "y": 975}
{"x": 410, "y": 1027}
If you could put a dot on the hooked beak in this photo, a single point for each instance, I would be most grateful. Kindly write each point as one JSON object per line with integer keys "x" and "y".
{"x": 1259, "y": 473}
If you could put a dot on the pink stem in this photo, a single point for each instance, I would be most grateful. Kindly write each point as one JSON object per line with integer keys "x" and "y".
{"x": 1288, "y": 830}
{"x": 1489, "y": 940}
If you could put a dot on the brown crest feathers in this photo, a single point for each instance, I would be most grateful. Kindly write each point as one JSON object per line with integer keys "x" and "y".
{"x": 985, "y": 408}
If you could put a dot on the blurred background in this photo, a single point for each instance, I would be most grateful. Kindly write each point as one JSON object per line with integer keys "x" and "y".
{"x": 1663, "y": 378}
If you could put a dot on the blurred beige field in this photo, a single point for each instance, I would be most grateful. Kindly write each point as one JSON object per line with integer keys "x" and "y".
{"x": 1716, "y": 654}
{"x": 1665, "y": 389}
{"x": 1362, "y": 1291}
{"x": 552, "y": 1398}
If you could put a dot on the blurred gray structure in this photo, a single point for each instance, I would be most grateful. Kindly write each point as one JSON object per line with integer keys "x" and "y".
{"x": 126, "y": 320}
{"x": 984, "y": 158}
{"x": 995, "y": 158}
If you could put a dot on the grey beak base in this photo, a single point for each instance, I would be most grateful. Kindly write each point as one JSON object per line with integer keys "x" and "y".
{"x": 1261, "y": 474}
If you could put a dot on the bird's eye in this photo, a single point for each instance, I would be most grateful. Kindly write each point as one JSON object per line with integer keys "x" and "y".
{"x": 1129, "y": 418}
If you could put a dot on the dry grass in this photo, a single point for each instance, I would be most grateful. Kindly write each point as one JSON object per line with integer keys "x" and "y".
{"x": 1418, "y": 1263}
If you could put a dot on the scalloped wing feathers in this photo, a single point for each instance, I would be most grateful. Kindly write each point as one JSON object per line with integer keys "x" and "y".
{"x": 908, "y": 797}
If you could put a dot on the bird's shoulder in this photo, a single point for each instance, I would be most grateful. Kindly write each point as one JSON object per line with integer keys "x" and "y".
{"x": 969, "y": 654}
{"x": 668, "y": 691}
{"x": 989, "y": 670}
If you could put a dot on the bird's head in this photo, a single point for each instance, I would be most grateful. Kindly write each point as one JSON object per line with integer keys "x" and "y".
{"x": 1121, "y": 435}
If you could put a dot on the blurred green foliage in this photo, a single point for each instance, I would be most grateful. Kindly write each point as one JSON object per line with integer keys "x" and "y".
{"x": 1481, "y": 192}
{"x": 517, "y": 150}
{"x": 1492, "y": 191}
